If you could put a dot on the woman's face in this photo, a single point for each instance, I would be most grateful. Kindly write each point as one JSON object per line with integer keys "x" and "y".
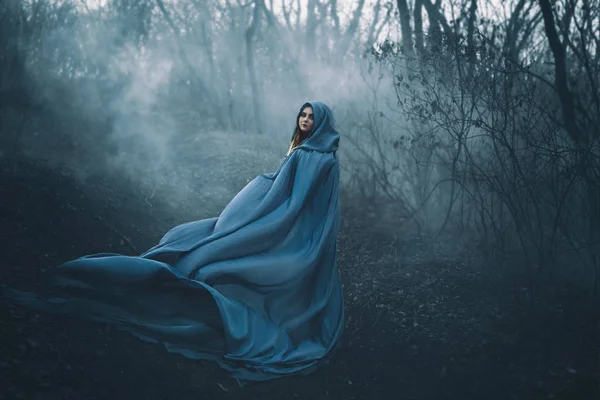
{"x": 306, "y": 120}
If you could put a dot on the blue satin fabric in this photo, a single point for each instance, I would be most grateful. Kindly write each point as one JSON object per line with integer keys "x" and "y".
{"x": 255, "y": 289}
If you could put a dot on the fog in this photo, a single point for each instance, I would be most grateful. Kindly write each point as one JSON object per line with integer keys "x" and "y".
{"x": 447, "y": 126}
{"x": 156, "y": 90}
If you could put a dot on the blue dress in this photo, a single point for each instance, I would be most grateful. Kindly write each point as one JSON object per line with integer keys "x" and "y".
{"x": 256, "y": 289}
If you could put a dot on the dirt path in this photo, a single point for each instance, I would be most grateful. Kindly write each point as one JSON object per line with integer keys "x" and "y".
{"x": 431, "y": 330}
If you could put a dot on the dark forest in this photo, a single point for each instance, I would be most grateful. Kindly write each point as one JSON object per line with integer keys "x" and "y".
{"x": 469, "y": 247}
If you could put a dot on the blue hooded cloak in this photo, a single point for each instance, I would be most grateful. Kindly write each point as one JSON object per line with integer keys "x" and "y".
{"x": 255, "y": 289}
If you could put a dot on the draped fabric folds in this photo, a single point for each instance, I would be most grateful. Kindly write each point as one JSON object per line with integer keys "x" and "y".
{"x": 256, "y": 289}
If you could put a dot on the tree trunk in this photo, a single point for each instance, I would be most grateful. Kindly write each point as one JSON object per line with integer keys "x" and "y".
{"x": 407, "y": 42}
{"x": 256, "y": 97}
{"x": 418, "y": 17}
{"x": 560, "y": 73}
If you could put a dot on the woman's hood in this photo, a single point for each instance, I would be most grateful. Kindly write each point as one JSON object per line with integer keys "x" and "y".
{"x": 324, "y": 137}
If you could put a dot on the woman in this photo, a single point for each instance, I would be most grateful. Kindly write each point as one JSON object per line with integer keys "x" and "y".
{"x": 255, "y": 289}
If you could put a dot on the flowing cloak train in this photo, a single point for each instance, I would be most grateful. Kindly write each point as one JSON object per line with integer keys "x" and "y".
{"x": 255, "y": 289}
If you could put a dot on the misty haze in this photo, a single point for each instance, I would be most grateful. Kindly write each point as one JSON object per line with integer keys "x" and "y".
{"x": 469, "y": 157}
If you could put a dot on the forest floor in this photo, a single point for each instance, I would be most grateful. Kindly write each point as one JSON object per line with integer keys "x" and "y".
{"x": 417, "y": 326}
